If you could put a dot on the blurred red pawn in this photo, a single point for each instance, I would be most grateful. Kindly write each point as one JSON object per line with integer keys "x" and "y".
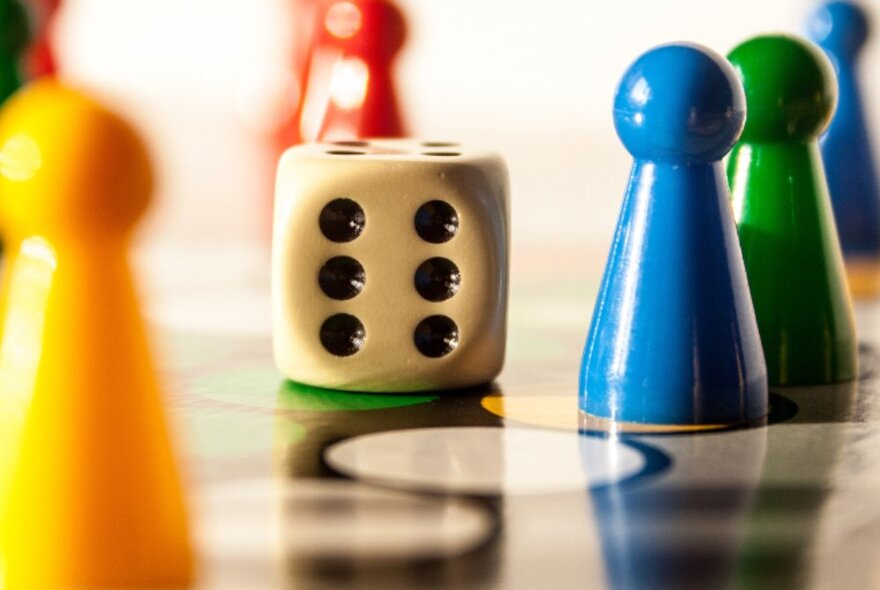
{"x": 344, "y": 65}
{"x": 39, "y": 60}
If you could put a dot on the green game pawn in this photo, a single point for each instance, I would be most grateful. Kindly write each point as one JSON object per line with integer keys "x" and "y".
{"x": 14, "y": 39}
{"x": 785, "y": 222}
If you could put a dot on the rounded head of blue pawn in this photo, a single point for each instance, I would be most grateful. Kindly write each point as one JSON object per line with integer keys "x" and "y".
{"x": 840, "y": 27}
{"x": 791, "y": 89}
{"x": 679, "y": 103}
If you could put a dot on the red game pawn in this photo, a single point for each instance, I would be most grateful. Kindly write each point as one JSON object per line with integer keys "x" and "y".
{"x": 347, "y": 72}
{"x": 40, "y": 59}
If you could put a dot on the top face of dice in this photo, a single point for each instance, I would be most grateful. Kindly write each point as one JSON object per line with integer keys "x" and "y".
{"x": 390, "y": 262}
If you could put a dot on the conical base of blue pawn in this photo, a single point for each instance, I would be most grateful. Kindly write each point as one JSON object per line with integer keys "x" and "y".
{"x": 674, "y": 339}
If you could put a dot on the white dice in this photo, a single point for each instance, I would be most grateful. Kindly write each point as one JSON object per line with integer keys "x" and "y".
{"x": 390, "y": 265}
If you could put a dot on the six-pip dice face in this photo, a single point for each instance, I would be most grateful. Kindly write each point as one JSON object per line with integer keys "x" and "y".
{"x": 390, "y": 265}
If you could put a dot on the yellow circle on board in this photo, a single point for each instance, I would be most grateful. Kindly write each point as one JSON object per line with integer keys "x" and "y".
{"x": 550, "y": 411}
{"x": 863, "y": 277}
{"x": 560, "y": 411}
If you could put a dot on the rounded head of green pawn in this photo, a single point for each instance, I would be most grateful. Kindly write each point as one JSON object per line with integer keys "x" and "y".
{"x": 791, "y": 89}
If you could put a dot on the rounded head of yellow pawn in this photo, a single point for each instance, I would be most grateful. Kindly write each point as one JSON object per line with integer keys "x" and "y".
{"x": 69, "y": 167}
{"x": 791, "y": 89}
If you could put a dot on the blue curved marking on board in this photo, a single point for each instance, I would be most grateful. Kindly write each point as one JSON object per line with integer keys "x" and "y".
{"x": 656, "y": 461}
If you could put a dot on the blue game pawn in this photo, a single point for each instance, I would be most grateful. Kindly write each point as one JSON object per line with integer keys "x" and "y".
{"x": 841, "y": 29}
{"x": 674, "y": 341}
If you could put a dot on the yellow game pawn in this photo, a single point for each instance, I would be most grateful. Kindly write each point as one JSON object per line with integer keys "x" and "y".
{"x": 94, "y": 498}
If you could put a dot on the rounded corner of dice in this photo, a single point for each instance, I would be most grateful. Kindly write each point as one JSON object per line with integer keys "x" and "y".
{"x": 390, "y": 277}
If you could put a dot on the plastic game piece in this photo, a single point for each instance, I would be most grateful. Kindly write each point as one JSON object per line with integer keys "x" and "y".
{"x": 841, "y": 30}
{"x": 673, "y": 340}
{"x": 40, "y": 59}
{"x": 16, "y": 36}
{"x": 390, "y": 265}
{"x": 94, "y": 499}
{"x": 786, "y": 225}
{"x": 347, "y": 83}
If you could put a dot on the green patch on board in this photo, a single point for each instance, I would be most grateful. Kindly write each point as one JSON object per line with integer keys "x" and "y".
{"x": 297, "y": 397}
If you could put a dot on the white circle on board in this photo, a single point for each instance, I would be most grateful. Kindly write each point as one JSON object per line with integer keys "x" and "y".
{"x": 485, "y": 460}
{"x": 338, "y": 519}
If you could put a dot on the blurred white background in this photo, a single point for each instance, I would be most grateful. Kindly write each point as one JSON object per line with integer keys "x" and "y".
{"x": 534, "y": 80}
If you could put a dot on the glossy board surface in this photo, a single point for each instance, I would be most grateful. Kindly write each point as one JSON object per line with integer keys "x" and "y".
{"x": 790, "y": 505}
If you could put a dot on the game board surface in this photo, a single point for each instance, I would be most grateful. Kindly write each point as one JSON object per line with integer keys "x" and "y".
{"x": 494, "y": 487}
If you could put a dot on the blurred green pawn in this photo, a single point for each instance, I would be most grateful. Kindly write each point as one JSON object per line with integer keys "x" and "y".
{"x": 786, "y": 226}
{"x": 14, "y": 39}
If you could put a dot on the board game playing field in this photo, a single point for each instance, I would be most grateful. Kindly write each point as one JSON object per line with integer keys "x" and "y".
{"x": 506, "y": 485}
{"x": 494, "y": 488}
